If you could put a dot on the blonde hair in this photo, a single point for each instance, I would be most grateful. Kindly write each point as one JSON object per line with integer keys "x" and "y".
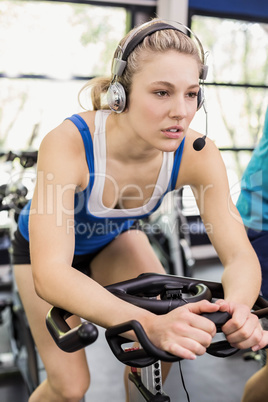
{"x": 159, "y": 41}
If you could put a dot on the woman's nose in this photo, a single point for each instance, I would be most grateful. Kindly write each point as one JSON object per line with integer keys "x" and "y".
{"x": 178, "y": 109}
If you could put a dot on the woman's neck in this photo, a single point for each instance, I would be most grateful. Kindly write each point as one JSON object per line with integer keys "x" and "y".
{"x": 124, "y": 144}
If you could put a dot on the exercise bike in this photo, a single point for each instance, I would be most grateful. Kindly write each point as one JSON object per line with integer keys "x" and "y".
{"x": 144, "y": 291}
{"x": 13, "y": 196}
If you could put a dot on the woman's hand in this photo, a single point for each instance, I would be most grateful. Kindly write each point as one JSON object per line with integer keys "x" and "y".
{"x": 243, "y": 330}
{"x": 263, "y": 343}
{"x": 183, "y": 332}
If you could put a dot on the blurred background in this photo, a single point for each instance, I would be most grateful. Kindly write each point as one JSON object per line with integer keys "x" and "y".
{"x": 50, "y": 49}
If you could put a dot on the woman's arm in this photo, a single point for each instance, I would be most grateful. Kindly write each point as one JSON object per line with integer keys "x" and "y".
{"x": 206, "y": 173}
{"x": 61, "y": 170}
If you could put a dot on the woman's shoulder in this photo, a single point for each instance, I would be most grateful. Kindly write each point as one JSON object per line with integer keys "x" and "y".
{"x": 64, "y": 143}
{"x": 196, "y": 164}
{"x": 62, "y": 152}
{"x": 89, "y": 118}
{"x": 209, "y": 146}
{"x": 66, "y": 134}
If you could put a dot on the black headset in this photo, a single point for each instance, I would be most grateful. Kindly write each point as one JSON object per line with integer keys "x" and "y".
{"x": 116, "y": 95}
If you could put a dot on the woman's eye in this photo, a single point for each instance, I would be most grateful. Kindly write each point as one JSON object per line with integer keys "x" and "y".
{"x": 192, "y": 94}
{"x": 161, "y": 93}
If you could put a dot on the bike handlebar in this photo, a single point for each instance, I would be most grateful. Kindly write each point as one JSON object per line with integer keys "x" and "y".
{"x": 171, "y": 289}
{"x": 174, "y": 291}
{"x": 149, "y": 353}
{"x": 67, "y": 339}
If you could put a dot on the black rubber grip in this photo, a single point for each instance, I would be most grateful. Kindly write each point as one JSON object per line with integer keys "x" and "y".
{"x": 69, "y": 339}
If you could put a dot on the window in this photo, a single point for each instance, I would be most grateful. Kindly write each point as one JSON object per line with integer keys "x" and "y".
{"x": 235, "y": 89}
{"x": 48, "y": 51}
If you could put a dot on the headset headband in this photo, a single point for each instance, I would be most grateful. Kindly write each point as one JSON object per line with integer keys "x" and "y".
{"x": 138, "y": 35}
{"x": 142, "y": 34}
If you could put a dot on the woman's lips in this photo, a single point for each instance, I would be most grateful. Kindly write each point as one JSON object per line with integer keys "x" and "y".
{"x": 173, "y": 132}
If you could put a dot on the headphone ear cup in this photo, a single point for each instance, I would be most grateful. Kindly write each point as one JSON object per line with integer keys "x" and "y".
{"x": 116, "y": 97}
{"x": 200, "y": 98}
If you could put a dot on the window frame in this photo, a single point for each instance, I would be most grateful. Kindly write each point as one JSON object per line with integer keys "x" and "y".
{"x": 192, "y": 11}
{"x": 133, "y": 7}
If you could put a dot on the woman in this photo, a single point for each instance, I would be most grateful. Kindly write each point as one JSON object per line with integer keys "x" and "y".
{"x": 140, "y": 151}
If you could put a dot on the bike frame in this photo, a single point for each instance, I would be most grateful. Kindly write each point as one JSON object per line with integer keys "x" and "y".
{"x": 148, "y": 385}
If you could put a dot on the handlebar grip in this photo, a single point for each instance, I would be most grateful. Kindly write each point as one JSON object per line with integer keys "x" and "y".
{"x": 220, "y": 348}
{"x": 69, "y": 339}
{"x": 140, "y": 357}
{"x": 149, "y": 353}
{"x": 219, "y": 318}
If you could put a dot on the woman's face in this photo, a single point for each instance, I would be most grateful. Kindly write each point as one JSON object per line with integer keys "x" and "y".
{"x": 163, "y": 99}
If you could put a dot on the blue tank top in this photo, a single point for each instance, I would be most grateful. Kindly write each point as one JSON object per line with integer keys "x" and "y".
{"x": 253, "y": 199}
{"x": 97, "y": 226}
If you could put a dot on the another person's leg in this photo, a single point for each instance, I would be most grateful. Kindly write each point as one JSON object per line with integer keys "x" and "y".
{"x": 259, "y": 241}
{"x": 67, "y": 373}
{"x": 256, "y": 389}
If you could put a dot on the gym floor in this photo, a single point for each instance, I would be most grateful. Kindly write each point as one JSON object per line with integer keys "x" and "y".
{"x": 207, "y": 379}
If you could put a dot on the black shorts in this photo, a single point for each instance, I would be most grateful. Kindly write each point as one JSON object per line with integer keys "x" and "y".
{"x": 259, "y": 241}
{"x": 21, "y": 254}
